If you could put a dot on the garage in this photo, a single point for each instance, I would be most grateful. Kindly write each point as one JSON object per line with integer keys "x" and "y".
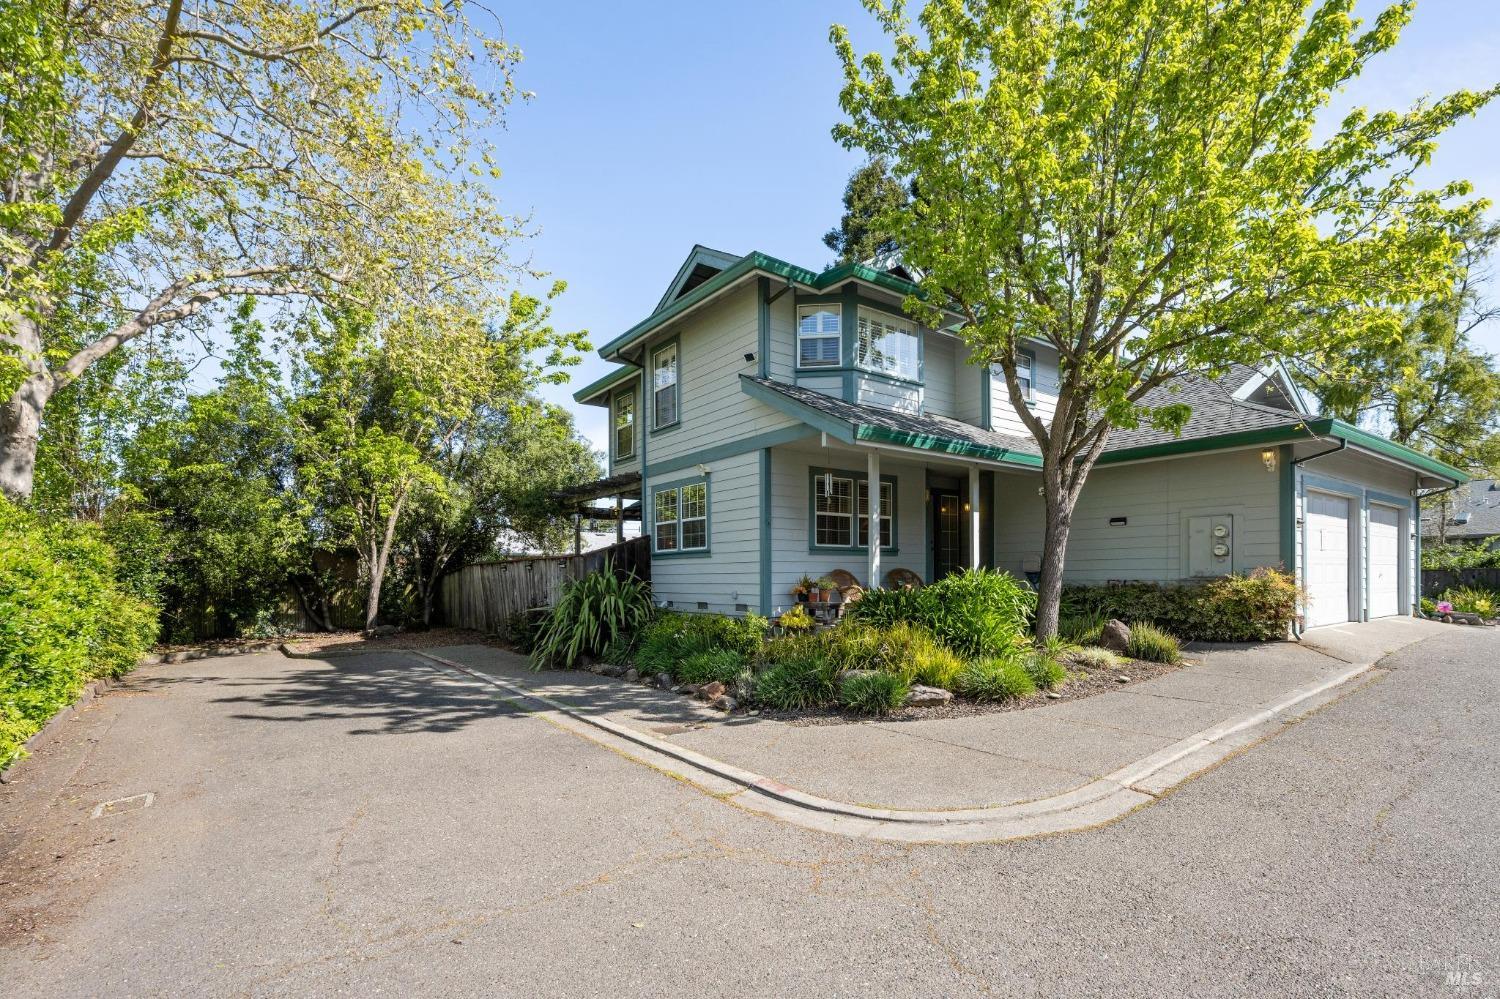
{"x": 1328, "y": 552}
{"x": 1385, "y": 561}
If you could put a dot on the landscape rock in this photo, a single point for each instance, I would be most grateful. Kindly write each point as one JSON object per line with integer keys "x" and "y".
{"x": 1116, "y": 636}
{"x": 723, "y": 703}
{"x": 664, "y": 681}
{"x": 744, "y": 688}
{"x": 382, "y": 631}
{"x": 632, "y": 674}
{"x": 1122, "y": 678}
{"x": 711, "y": 690}
{"x": 920, "y": 696}
{"x": 1053, "y": 695}
{"x": 850, "y": 674}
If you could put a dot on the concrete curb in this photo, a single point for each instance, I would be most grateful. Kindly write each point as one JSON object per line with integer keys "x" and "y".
{"x": 1098, "y": 802}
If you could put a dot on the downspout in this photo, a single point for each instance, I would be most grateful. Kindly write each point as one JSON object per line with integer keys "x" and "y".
{"x": 1296, "y": 625}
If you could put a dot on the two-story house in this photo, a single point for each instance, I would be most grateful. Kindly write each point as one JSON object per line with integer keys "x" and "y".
{"x": 775, "y": 421}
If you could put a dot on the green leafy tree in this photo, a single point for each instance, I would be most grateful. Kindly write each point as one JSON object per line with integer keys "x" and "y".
{"x": 158, "y": 157}
{"x": 1139, "y": 186}
{"x": 498, "y": 475}
{"x": 1430, "y": 387}
{"x": 869, "y": 196}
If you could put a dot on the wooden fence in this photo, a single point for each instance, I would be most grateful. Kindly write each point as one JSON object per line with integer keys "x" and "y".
{"x": 1435, "y": 581}
{"x": 483, "y": 595}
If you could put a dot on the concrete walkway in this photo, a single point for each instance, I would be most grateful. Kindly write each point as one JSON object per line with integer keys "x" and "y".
{"x": 974, "y": 778}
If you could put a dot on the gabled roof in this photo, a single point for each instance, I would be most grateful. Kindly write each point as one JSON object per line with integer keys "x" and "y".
{"x": 701, "y": 264}
{"x": 599, "y": 386}
{"x": 1271, "y": 384}
{"x": 1215, "y": 412}
{"x": 1473, "y": 512}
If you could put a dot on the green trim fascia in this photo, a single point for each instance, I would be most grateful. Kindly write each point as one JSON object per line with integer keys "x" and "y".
{"x": 1378, "y": 444}
{"x": 946, "y": 445}
{"x": 708, "y": 518}
{"x": 1288, "y": 508}
{"x": 598, "y": 385}
{"x": 1242, "y": 438}
{"x": 731, "y": 449}
{"x": 813, "y": 474}
{"x": 986, "y": 417}
{"x": 767, "y": 537}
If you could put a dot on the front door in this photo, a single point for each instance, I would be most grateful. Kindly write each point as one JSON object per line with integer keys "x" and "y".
{"x": 947, "y": 534}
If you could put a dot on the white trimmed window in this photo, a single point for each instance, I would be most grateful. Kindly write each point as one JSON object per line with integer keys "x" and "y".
{"x": 887, "y": 513}
{"x": 1025, "y": 366}
{"x": 625, "y": 426}
{"x": 818, "y": 337}
{"x": 833, "y": 510}
{"x": 887, "y": 346}
{"x": 664, "y": 386}
{"x": 682, "y": 518}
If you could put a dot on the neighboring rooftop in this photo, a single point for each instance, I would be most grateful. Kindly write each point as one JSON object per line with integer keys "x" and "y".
{"x": 1472, "y": 512}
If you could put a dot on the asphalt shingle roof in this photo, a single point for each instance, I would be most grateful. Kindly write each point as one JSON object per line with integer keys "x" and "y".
{"x": 1480, "y": 499}
{"x": 1214, "y": 412}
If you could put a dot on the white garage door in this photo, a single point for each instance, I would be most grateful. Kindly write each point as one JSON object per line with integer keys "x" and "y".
{"x": 1327, "y": 559}
{"x": 1385, "y": 561}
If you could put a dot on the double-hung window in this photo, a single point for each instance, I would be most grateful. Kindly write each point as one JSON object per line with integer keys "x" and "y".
{"x": 888, "y": 346}
{"x": 1025, "y": 365}
{"x": 625, "y": 426}
{"x": 664, "y": 386}
{"x": 887, "y": 513}
{"x": 833, "y": 510}
{"x": 841, "y": 511}
{"x": 818, "y": 337}
{"x": 682, "y": 518}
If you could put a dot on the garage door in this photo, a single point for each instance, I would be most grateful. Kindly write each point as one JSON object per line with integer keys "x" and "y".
{"x": 1385, "y": 561}
{"x": 1327, "y": 559}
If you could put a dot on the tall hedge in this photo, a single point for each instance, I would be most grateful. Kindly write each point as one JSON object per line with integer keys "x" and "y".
{"x": 64, "y": 620}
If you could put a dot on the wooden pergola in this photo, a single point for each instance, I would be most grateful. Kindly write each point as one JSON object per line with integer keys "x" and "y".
{"x": 581, "y": 501}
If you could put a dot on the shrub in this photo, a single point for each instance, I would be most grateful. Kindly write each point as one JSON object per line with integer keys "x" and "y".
{"x": 1257, "y": 607}
{"x": 902, "y": 649}
{"x": 723, "y": 665}
{"x": 520, "y": 631}
{"x": 1429, "y": 606}
{"x": 1081, "y": 629}
{"x": 1471, "y": 600}
{"x": 795, "y": 619}
{"x": 65, "y": 619}
{"x": 976, "y": 612}
{"x": 591, "y": 614}
{"x": 1045, "y": 671}
{"x": 799, "y": 682}
{"x": 673, "y": 638}
{"x": 1460, "y": 556}
{"x": 1153, "y": 645}
{"x": 996, "y": 678}
{"x": 873, "y": 693}
{"x": 1095, "y": 658}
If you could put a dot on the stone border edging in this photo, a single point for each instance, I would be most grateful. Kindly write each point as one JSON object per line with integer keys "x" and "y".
{"x": 1098, "y": 802}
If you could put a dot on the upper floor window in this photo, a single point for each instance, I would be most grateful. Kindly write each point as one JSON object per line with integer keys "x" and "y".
{"x": 625, "y": 425}
{"x": 818, "y": 337}
{"x": 887, "y": 346}
{"x": 1025, "y": 368}
{"x": 664, "y": 386}
{"x": 682, "y": 518}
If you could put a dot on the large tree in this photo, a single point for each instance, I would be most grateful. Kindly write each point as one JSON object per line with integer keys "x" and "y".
{"x": 1430, "y": 388}
{"x": 870, "y": 195}
{"x": 157, "y": 157}
{"x": 1141, "y": 186}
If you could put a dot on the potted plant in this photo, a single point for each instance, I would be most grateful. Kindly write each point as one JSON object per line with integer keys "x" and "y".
{"x": 824, "y": 589}
{"x": 803, "y": 588}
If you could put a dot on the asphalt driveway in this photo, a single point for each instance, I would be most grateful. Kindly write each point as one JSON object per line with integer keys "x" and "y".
{"x": 366, "y": 826}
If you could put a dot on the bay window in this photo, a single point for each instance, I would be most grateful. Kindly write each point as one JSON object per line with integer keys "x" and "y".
{"x": 818, "y": 337}
{"x": 888, "y": 346}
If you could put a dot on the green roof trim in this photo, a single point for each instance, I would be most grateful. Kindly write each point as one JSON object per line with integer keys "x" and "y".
{"x": 947, "y": 445}
{"x": 1305, "y": 429}
{"x": 752, "y": 263}
{"x": 609, "y": 381}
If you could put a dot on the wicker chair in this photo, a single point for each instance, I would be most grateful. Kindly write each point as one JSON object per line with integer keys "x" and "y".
{"x": 902, "y": 579}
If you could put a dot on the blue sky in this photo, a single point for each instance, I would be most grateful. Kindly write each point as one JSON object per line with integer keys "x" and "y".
{"x": 658, "y": 126}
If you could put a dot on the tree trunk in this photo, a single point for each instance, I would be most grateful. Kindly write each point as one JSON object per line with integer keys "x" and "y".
{"x": 380, "y": 554}
{"x": 21, "y": 415}
{"x": 1059, "y": 507}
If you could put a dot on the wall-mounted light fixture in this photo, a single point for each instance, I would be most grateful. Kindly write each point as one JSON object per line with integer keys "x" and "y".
{"x": 749, "y": 355}
{"x": 1268, "y": 458}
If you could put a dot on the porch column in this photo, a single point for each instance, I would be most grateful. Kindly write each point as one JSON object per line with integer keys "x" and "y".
{"x": 974, "y": 559}
{"x": 619, "y": 519}
{"x": 872, "y": 472}
{"x": 577, "y": 534}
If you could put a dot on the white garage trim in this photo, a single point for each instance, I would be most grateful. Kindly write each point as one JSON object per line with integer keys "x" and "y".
{"x": 1371, "y": 535}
